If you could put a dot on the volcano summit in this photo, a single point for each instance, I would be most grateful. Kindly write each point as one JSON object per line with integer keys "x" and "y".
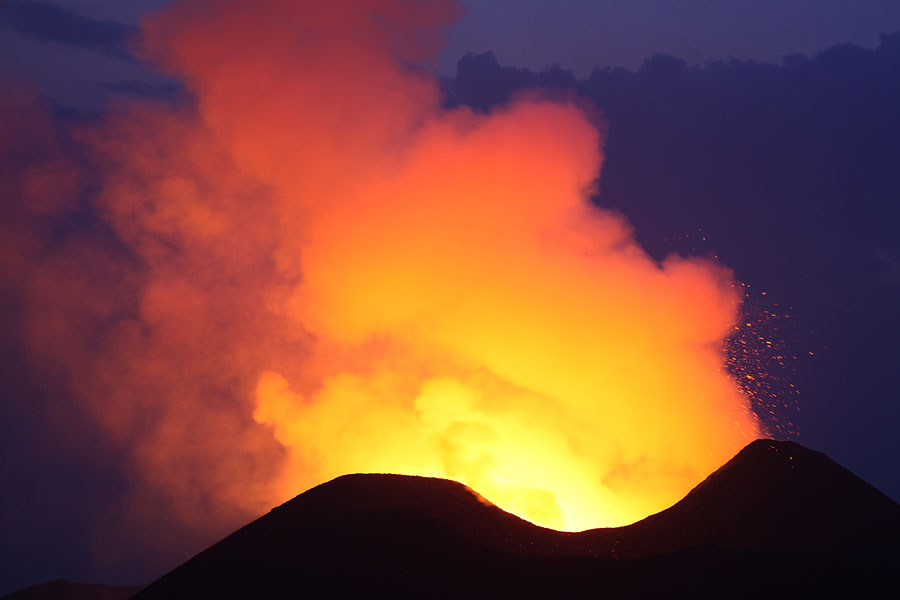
{"x": 777, "y": 518}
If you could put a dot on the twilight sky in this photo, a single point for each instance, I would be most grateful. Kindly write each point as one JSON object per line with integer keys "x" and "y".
{"x": 788, "y": 173}
{"x": 577, "y": 34}
{"x": 583, "y": 34}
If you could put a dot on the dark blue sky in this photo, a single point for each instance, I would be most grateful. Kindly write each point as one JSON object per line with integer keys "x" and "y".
{"x": 577, "y": 34}
{"x": 791, "y": 171}
{"x": 582, "y": 34}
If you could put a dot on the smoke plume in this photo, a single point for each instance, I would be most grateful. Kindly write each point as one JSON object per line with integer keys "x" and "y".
{"x": 314, "y": 269}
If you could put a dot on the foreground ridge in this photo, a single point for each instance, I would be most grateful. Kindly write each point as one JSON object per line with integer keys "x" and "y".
{"x": 777, "y": 514}
{"x": 777, "y": 519}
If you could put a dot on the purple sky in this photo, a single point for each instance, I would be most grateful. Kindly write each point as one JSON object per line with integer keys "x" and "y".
{"x": 581, "y": 34}
{"x": 577, "y": 34}
{"x": 824, "y": 135}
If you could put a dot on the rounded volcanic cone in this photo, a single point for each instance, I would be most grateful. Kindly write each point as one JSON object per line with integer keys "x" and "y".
{"x": 354, "y": 535}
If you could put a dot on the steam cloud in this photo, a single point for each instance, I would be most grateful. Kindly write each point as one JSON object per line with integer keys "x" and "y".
{"x": 315, "y": 270}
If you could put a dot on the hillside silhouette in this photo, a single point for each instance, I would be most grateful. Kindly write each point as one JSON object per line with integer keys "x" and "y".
{"x": 776, "y": 516}
{"x": 62, "y": 589}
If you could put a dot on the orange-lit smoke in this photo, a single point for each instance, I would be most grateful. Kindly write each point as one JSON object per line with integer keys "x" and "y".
{"x": 506, "y": 333}
{"x": 318, "y": 252}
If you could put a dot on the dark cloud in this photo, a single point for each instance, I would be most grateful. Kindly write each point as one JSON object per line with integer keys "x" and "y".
{"x": 44, "y": 22}
{"x": 581, "y": 34}
{"x": 788, "y": 173}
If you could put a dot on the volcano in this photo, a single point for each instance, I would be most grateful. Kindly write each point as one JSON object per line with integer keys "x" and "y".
{"x": 776, "y": 519}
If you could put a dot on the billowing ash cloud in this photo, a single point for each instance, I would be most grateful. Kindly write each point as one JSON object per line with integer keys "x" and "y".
{"x": 316, "y": 270}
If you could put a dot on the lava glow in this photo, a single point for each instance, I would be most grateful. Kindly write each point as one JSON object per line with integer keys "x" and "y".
{"x": 329, "y": 273}
{"x": 506, "y": 334}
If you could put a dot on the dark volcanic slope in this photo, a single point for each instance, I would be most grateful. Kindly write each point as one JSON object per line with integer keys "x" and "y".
{"x": 772, "y": 495}
{"x": 61, "y": 589}
{"x": 777, "y": 515}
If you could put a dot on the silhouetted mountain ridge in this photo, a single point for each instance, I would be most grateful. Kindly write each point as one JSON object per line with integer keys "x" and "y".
{"x": 772, "y": 495}
{"x": 63, "y": 589}
{"x": 777, "y": 511}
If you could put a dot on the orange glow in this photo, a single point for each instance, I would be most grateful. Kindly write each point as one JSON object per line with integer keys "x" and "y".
{"x": 528, "y": 348}
{"x": 474, "y": 317}
{"x": 324, "y": 272}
